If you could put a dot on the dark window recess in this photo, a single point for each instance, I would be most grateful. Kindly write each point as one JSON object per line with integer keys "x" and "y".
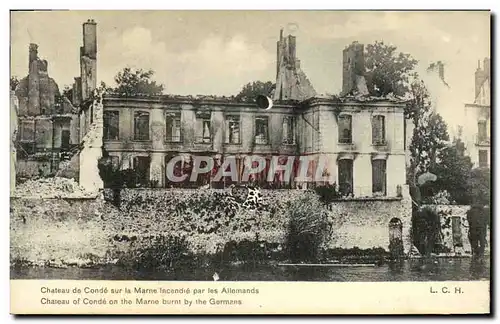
{"x": 115, "y": 162}
{"x": 483, "y": 158}
{"x": 141, "y": 126}
{"x": 345, "y": 129}
{"x": 345, "y": 177}
{"x": 233, "y": 130}
{"x": 111, "y": 125}
{"x": 65, "y": 139}
{"x": 378, "y": 130}
{"x": 205, "y": 131}
{"x": 173, "y": 132}
{"x": 481, "y": 125}
{"x": 141, "y": 167}
{"x": 261, "y": 130}
{"x": 379, "y": 177}
{"x": 289, "y": 130}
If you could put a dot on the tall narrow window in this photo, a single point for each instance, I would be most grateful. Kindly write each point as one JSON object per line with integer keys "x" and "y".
{"x": 261, "y": 130}
{"x": 203, "y": 125}
{"x": 345, "y": 129}
{"x": 483, "y": 158}
{"x": 111, "y": 125}
{"x": 289, "y": 130}
{"x": 481, "y": 125}
{"x": 141, "y": 126}
{"x": 173, "y": 132}
{"x": 65, "y": 139}
{"x": 141, "y": 165}
{"x": 379, "y": 177}
{"x": 378, "y": 130}
{"x": 233, "y": 130}
{"x": 345, "y": 176}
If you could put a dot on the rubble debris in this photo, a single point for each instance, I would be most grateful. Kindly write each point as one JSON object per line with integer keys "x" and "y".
{"x": 56, "y": 187}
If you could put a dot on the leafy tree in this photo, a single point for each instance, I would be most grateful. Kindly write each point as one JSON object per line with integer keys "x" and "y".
{"x": 430, "y": 134}
{"x": 134, "y": 82}
{"x": 453, "y": 171}
{"x": 387, "y": 71}
{"x": 251, "y": 90}
{"x": 479, "y": 186}
{"x": 14, "y": 81}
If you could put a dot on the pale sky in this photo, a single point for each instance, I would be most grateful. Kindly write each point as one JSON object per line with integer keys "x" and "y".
{"x": 217, "y": 52}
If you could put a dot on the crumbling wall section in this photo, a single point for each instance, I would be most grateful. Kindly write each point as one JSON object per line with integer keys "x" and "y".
{"x": 353, "y": 71}
{"x": 91, "y": 144}
{"x": 291, "y": 81}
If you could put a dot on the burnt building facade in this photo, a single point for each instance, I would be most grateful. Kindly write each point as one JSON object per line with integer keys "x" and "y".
{"x": 358, "y": 143}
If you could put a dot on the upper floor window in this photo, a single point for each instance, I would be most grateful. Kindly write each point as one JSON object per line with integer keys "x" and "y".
{"x": 141, "y": 126}
{"x": 261, "y": 130}
{"x": 482, "y": 131}
{"x": 233, "y": 129}
{"x": 345, "y": 129}
{"x": 203, "y": 125}
{"x": 379, "y": 177}
{"x": 111, "y": 125}
{"x": 378, "y": 130}
{"x": 289, "y": 130}
{"x": 483, "y": 158}
{"x": 173, "y": 131}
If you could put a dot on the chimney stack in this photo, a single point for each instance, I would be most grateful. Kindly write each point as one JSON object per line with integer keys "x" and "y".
{"x": 353, "y": 69}
{"x": 88, "y": 60}
{"x": 90, "y": 39}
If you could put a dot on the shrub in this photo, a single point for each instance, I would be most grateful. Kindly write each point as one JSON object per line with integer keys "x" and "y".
{"x": 426, "y": 228}
{"x": 308, "y": 225}
{"x": 327, "y": 193}
{"x": 163, "y": 252}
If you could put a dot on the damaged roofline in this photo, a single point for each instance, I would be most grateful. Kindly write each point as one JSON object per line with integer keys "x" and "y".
{"x": 196, "y": 100}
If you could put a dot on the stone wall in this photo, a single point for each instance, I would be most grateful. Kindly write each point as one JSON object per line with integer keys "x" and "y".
{"x": 45, "y": 229}
{"x": 364, "y": 223}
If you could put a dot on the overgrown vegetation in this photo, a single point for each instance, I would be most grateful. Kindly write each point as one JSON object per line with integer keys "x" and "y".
{"x": 163, "y": 253}
{"x": 251, "y": 90}
{"x": 135, "y": 82}
{"x": 307, "y": 228}
{"x": 327, "y": 193}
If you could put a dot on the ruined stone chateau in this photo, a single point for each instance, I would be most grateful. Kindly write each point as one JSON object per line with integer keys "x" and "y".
{"x": 363, "y": 138}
